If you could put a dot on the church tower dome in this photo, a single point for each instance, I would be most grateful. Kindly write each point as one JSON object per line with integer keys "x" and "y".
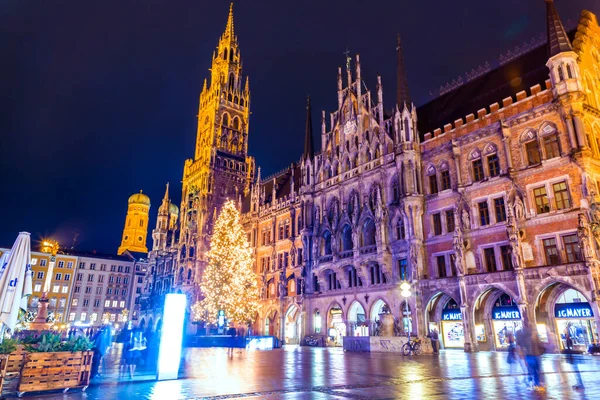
{"x": 135, "y": 230}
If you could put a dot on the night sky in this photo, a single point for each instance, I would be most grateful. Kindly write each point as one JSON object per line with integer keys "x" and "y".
{"x": 98, "y": 98}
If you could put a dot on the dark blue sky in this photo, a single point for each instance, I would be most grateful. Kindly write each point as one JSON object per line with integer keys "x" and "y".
{"x": 98, "y": 98}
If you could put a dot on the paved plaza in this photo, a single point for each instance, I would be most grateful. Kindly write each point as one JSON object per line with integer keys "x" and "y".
{"x": 321, "y": 373}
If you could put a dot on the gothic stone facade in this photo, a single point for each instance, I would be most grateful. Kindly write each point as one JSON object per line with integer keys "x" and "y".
{"x": 494, "y": 209}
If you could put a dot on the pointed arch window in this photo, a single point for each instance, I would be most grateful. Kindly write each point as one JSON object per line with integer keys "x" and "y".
{"x": 327, "y": 243}
{"x": 346, "y": 239}
{"x": 561, "y": 74}
{"x": 433, "y": 181}
{"x": 532, "y": 148}
{"x": 225, "y": 119}
{"x": 407, "y": 129}
{"x": 569, "y": 71}
{"x": 476, "y": 166}
{"x": 369, "y": 231}
{"x": 551, "y": 143}
{"x": 400, "y": 229}
{"x": 225, "y": 54}
{"x": 396, "y": 189}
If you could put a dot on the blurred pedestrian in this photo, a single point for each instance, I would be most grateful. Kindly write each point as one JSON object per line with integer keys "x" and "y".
{"x": 568, "y": 338}
{"x": 125, "y": 358}
{"x": 574, "y": 361}
{"x": 102, "y": 344}
{"x": 233, "y": 333}
{"x": 532, "y": 349}
{"x": 435, "y": 339}
{"x": 513, "y": 358}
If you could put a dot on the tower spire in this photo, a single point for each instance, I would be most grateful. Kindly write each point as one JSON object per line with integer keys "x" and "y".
{"x": 229, "y": 28}
{"x": 402, "y": 95}
{"x": 309, "y": 148}
{"x": 558, "y": 41}
{"x": 166, "y": 197}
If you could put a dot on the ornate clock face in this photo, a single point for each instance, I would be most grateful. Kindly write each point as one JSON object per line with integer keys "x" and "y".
{"x": 350, "y": 127}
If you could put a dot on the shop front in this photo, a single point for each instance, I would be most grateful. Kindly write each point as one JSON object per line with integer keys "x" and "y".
{"x": 337, "y": 327}
{"x": 452, "y": 328}
{"x": 505, "y": 320}
{"x": 575, "y": 322}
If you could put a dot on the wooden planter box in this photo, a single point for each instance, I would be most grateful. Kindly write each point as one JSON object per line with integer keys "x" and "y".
{"x": 35, "y": 372}
{"x": 10, "y": 370}
{"x": 51, "y": 371}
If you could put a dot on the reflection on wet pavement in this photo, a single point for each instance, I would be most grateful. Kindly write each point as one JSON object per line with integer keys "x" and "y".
{"x": 319, "y": 373}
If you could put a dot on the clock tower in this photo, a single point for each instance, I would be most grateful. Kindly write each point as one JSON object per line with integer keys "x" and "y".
{"x": 221, "y": 168}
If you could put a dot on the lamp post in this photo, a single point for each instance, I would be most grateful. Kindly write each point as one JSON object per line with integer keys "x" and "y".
{"x": 406, "y": 293}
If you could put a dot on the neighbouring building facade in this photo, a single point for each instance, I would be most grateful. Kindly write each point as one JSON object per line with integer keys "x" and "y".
{"x": 102, "y": 285}
{"x": 484, "y": 200}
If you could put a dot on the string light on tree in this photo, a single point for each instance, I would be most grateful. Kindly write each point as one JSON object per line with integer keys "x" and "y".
{"x": 229, "y": 282}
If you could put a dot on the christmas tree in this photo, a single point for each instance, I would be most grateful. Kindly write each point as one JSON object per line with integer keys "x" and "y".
{"x": 228, "y": 282}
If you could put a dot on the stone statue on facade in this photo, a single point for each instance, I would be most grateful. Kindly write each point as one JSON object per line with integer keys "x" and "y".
{"x": 414, "y": 261}
{"x": 282, "y": 285}
{"x": 514, "y": 239}
{"x": 583, "y": 233}
{"x": 459, "y": 250}
{"x": 466, "y": 220}
{"x": 519, "y": 208}
{"x": 263, "y": 287}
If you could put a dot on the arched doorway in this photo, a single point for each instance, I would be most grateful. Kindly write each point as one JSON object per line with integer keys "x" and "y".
{"x": 272, "y": 324}
{"x": 293, "y": 325}
{"x": 443, "y": 314}
{"x": 565, "y": 318}
{"x": 496, "y": 314}
{"x": 357, "y": 320}
{"x": 336, "y": 327}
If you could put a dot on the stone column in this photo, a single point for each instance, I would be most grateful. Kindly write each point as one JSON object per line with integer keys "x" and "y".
{"x": 456, "y": 157}
{"x": 471, "y": 344}
{"x": 571, "y": 132}
{"x": 580, "y": 131}
{"x": 507, "y": 149}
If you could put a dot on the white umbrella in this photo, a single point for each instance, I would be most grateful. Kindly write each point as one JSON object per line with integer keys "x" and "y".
{"x": 15, "y": 282}
{"x": 3, "y": 262}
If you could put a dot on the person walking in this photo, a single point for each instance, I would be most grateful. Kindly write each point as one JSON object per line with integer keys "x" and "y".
{"x": 532, "y": 349}
{"x": 233, "y": 333}
{"x": 435, "y": 339}
{"x": 102, "y": 344}
{"x": 512, "y": 358}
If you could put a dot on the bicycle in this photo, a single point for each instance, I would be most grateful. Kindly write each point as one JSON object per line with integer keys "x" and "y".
{"x": 311, "y": 341}
{"x": 412, "y": 347}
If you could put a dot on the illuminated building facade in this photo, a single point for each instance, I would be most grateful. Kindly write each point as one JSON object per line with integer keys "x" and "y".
{"x": 220, "y": 169}
{"x": 484, "y": 199}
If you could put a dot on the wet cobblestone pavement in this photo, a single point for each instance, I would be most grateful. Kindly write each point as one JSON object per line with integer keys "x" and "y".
{"x": 318, "y": 373}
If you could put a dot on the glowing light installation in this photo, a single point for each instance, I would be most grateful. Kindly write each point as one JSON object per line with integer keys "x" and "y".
{"x": 171, "y": 338}
{"x": 229, "y": 282}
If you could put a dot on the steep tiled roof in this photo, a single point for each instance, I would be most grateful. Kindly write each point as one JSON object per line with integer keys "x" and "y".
{"x": 558, "y": 41}
{"x": 507, "y": 80}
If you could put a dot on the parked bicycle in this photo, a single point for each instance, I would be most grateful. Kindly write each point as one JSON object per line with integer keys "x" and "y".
{"x": 311, "y": 340}
{"x": 412, "y": 347}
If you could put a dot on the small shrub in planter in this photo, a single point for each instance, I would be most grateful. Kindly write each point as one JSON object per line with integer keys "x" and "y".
{"x": 8, "y": 346}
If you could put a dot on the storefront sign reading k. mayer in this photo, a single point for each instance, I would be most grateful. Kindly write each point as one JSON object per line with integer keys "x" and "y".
{"x": 510, "y": 312}
{"x": 573, "y": 310}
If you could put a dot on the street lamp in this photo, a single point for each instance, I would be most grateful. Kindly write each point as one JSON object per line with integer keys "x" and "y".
{"x": 406, "y": 293}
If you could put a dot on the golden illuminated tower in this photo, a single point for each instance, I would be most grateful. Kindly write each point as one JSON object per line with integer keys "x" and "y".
{"x": 136, "y": 224}
{"x": 221, "y": 168}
